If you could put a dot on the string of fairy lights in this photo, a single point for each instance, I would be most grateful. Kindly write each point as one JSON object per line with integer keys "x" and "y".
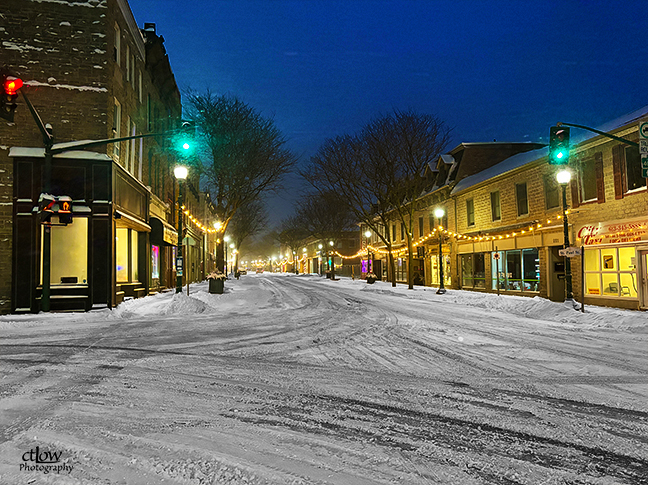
{"x": 434, "y": 234}
{"x": 397, "y": 252}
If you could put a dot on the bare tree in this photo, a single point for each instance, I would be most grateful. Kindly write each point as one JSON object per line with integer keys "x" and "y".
{"x": 326, "y": 216}
{"x": 379, "y": 171}
{"x": 403, "y": 143}
{"x": 243, "y": 156}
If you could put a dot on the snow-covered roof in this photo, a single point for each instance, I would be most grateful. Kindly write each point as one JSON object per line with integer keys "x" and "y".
{"x": 447, "y": 159}
{"x": 29, "y": 152}
{"x": 522, "y": 159}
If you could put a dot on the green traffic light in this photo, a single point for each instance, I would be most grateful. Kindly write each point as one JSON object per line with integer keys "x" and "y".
{"x": 559, "y": 155}
{"x": 186, "y": 146}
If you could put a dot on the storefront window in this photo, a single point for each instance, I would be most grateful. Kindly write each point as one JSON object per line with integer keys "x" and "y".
{"x": 401, "y": 269}
{"x": 473, "y": 273}
{"x": 519, "y": 270}
{"x": 592, "y": 260}
{"x": 69, "y": 253}
{"x": 531, "y": 265}
{"x": 133, "y": 258}
{"x": 467, "y": 270}
{"x": 446, "y": 270}
{"x": 611, "y": 272}
{"x": 513, "y": 270}
{"x": 155, "y": 262}
{"x": 608, "y": 258}
{"x": 121, "y": 244}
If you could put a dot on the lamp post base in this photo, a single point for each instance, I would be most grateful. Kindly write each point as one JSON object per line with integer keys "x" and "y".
{"x": 571, "y": 303}
{"x": 441, "y": 291}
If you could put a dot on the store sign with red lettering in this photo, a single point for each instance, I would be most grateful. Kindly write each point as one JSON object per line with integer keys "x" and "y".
{"x": 614, "y": 232}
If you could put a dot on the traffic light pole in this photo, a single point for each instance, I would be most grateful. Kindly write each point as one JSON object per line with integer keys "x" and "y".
{"x": 602, "y": 133}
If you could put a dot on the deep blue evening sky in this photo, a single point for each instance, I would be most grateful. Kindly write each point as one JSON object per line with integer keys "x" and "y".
{"x": 504, "y": 70}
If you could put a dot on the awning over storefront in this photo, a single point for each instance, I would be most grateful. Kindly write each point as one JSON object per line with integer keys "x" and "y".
{"x": 125, "y": 220}
{"x": 162, "y": 232}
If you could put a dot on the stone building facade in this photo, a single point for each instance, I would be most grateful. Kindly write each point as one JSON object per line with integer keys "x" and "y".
{"x": 503, "y": 227}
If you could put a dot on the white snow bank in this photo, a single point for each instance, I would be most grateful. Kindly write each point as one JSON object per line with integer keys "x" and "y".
{"x": 533, "y": 308}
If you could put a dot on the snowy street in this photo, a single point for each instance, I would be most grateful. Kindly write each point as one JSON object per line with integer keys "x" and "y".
{"x": 298, "y": 379}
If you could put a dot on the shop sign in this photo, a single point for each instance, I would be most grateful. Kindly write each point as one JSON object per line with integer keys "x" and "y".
{"x": 614, "y": 232}
{"x": 569, "y": 252}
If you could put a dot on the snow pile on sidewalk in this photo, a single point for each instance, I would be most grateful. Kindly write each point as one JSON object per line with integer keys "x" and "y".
{"x": 531, "y": 307}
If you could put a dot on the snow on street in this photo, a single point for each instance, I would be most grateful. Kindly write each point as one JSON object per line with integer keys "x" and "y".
{"x": 298, "y": 379}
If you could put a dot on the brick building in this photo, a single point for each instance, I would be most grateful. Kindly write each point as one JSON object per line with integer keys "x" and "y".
{"x": 92, "y": 74}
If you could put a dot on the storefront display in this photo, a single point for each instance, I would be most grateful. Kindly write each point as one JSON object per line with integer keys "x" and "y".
{"x": 519, "y": 270}
{"x": 611, "y": 258}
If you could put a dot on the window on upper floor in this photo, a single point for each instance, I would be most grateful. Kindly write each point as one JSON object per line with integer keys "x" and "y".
{"x": 132, "y": 61}
{"x": 522, "y": 199}
{"x": 551, "y": 192}
{"x": 128, "y": 63}
{"x": 626, "y": 164}
{"x": 470, "y": 212}
{"x": 420, "y": 224}
{"x": 149, "y": 113}
{"x": 140, "y": 87}
{"x": 634, "y": 179}
{"x": 126, "y": 157}
{"x": 132, "y": 150}
{"x": 117, "y": 128}
{"x": 402, "y": 231}
{"x": 496, "y": 210}
{"x": 588, "y": 184}
{"x": 117, "y": 46}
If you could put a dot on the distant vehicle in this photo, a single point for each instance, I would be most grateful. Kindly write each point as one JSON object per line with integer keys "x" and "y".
{"x": 243, "y": 271}
{"x": 259, "y": 270}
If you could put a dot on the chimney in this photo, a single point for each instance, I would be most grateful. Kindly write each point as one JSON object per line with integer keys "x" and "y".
{"x": 149, "y": 27}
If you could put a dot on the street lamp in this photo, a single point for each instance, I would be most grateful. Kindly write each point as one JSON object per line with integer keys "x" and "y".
{"x": 439, "y": 213}
{"x": 563, "y": 177}
{"x": 233, "y": 254}
{"x": 180, "y": 173}
{"x": 368, "y": 235}
{"x": 226, "y": 239}
{"x": 321, "y": 261}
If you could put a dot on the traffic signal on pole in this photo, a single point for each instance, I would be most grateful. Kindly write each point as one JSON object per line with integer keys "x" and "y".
{"x": 49, "y": 205}
{"x": 559, "y": 145}
{"x": 187, "y": 135}
{"x": 10, "y": 87}
{"x": 46, "y": 203}
{"x": 64, "y": 209}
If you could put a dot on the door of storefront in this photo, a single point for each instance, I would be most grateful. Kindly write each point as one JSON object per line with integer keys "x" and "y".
{"x": 556, "y": 275}
{"x": 643, "y": 278}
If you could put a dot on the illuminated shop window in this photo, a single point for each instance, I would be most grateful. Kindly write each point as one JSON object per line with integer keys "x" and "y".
{"x": 519, "y": 270}
{"x": 69, "y": 252}
{"x": 611, "y": 272}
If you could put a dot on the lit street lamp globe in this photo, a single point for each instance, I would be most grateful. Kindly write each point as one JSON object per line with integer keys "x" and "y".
{"x": 180, "y": 172}
{"x": 563, "y": 177}
{"x": 439, "y": 212}
{"x": 368, "y": 234}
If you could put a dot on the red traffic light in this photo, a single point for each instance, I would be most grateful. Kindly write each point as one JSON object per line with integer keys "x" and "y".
{"x": 12, "y": 85}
